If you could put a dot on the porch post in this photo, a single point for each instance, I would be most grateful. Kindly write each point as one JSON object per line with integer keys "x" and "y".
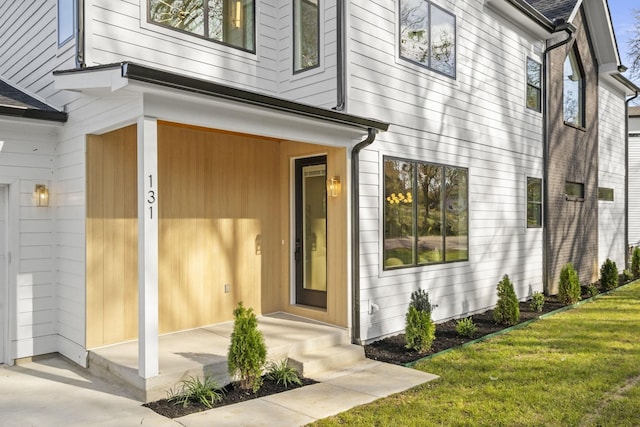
{"x": 147, "y": 247}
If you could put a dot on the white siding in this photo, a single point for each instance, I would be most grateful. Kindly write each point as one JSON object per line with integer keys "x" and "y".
{"x": 478, "y": 121}
{"x": 611, "y": 174}
{"x": 26, "y": 159}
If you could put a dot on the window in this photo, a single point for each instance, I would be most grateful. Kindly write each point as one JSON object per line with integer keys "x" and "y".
{"x": 66, "y": 21}
{"x": 573, "y": 91}
{"x": 574, "y": 191}
{"x": 230, "y": 22}
{"x": 605, "y": 194}
{"x": 534, "y": 203}
{"x": 428, "y": 36}
{"x": 306, "y": 35}
{"x": 426, "y": 216}
{"x": 533, "y": 84}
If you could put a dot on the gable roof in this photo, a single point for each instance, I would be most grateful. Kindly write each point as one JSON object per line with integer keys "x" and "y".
{"x": 554, "y": 9}
{"x": 17, "y": 103}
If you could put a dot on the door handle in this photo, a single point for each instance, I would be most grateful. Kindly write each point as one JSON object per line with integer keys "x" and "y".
{"x": 298, "y": 250}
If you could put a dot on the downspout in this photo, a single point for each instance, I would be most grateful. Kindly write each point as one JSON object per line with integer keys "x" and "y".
{"x": 340, "y": 55}
{"x": 626, "y": 179}
{"x": 80, "y": 59}
{"x": 355, "y": 232}
{"x": 559, "y": 25}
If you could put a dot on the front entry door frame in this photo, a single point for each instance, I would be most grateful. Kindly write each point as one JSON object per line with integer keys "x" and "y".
{"x": 8, "y": 284}
{"x": 309, "y": 241}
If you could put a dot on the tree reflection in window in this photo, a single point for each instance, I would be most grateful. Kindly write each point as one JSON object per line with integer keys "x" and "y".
{"x": 573, "y": 91}
{"x": 306, "y": 32}
{"x": 428, "y": 227}
{"x": 427, "y": 36}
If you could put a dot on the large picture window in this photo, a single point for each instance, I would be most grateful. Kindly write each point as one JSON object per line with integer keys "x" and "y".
{"x": 428, "y": 36}
{"x": 231, "y": 22}
{"x": 573, "y": 91}
{"x": 426, "y": 217}
{"x": 306, "y": 34}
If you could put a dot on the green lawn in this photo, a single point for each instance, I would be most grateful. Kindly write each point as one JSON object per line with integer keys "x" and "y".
{"x": 580, "y": 367}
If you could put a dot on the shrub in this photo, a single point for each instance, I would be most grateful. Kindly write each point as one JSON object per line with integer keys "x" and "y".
{"x": 592, "y": 290}
{"x": 420, "y": 331}
{"x": 609, "y": 275}
{"x": 628, "y": 275}
{"x": 466, "y": 327}
{"x": 247, "y": 351}
{"x": 569, "y": 289}
{"x": 281, "y": 372}
{"x": 193, "y": 390}
{"x": 507, "y": 310}
{"x": 635, "y": 262}
{"x": 537, "y": 301}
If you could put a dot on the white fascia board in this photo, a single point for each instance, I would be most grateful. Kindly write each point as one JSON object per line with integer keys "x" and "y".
{"x": 602, "y": 34}
{"x": 171, "y": 105}
{"x": 110, "y": 79}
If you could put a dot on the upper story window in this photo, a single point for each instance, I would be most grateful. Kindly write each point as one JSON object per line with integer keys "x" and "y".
{"x": 426, "y": 216}
{"x": 428, "y": 36}
{"x": 231, "y": 22}
{"x": 534, "y": 90}
{"x": 573, "y": 91}
{"x": 66, "y": 20}
{"x": 306, "y": 35}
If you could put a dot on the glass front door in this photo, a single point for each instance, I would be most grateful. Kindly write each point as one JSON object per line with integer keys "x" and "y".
{"x": 311, "y": 231}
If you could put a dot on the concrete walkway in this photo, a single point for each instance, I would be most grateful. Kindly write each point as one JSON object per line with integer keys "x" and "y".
{"x": 54, "y": 392}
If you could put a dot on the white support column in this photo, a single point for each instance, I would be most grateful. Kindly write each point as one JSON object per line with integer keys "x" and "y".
{"x": 147, "y": 247}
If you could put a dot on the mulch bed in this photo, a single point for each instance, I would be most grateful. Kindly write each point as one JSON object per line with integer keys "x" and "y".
{"x": 232, "y": 394}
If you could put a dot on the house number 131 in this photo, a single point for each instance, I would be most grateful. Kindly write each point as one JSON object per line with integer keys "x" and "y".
{"x": 151, "y": 197}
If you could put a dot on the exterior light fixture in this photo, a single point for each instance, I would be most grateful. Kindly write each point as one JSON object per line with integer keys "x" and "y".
{"x": 42, "y": 195}
{"x": 333, "y": 185}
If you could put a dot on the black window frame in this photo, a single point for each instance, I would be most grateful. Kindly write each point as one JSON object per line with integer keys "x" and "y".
{"x": 205, "y": 6}
{"x": 606, "y": 194}
{"x": 570, "y": 194}
{"x": 415, "y": 257}
{"x": 581, "y": 102}
{"x": 531, "y": 85}
{"x": 534, "y": 204}
{"x": 298, "y": 70}
{"x": 429, "y": 4}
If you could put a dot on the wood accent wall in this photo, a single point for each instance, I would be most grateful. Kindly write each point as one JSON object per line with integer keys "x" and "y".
{"x": 224, "y": 208}
{"x": 112, "y": 237}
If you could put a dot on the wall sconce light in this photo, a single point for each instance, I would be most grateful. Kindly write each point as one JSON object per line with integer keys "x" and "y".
{"x": 42, "y": 195}
{"x": 334, "y": 186}
{"x": 237, "y": 19}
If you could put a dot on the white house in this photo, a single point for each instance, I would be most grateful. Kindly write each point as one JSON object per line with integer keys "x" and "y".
{"x": 323, "y": 159}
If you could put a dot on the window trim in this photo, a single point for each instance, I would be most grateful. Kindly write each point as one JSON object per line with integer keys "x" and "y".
{"x": 429, "y": 4}
{"x": 529, "y": 85}
{"x": 149, "y": 21}
{"x": 444, "y": 167}
{"x": 538, "y": 225}
{"x": 293, "y": 29}
{"x": 73, "y": 22}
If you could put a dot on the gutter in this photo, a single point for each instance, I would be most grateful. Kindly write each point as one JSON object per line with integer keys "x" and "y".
{"x": 80, "y": 59}
{"x": 569, "y": 29}
{"x": 340, "y": 55}
{"x": 355, "y": 233}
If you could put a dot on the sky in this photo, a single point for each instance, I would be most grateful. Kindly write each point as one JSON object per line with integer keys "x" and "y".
{"x": 623, "y": 19}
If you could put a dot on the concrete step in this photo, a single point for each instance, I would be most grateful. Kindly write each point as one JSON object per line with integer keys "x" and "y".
{"x": 317, "y": 361}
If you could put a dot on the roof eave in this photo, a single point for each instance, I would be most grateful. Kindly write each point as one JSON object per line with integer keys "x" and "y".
{"x": 30, "y": 113}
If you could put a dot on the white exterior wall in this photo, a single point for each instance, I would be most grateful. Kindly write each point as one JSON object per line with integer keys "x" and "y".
{"x": 26, "y": 159}
{"x": 611, "y": 174}
{"x": 478, "y": 121}
{"x": 634, "y": 181}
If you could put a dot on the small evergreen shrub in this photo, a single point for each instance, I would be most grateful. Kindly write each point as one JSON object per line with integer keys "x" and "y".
{"x": 507, "y": 311}
{"x": 635, "y": 262}
{"x": 207, "y": 392}
{"x": 420, "y": 331}
{"x": 466, "y": 327}
{"x": 592, "y": 290}
{"x": 537, "y": 301}
{"x": 628, "y": 275}
{"x": 282, "y": 373}
{"x": 609, "y": 275}
{"x": 569, "y": 289}
{"x": 247, "y": 351}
